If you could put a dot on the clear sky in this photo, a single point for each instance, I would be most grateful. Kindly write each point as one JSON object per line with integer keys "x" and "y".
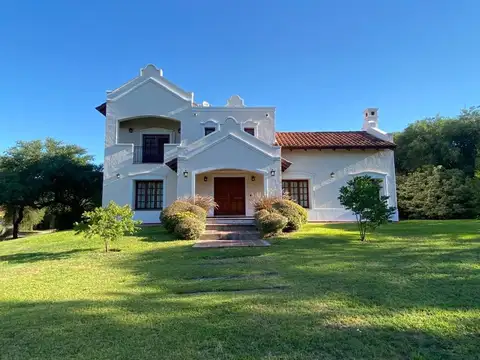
{"x": 319, "y": 62}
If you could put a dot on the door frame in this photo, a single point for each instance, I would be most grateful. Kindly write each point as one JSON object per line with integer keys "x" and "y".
{"x": 231, "y": 176}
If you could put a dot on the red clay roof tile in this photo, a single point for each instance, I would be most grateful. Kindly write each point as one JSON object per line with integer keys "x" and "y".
{"x": 331, "y": 140}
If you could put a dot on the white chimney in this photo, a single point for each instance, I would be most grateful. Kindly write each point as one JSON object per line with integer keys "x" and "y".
{"x": 370, "y": 118}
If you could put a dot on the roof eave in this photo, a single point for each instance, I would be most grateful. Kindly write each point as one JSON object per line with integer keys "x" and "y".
{"x": 102, "y": 109}
{"x": 340, "y": 147}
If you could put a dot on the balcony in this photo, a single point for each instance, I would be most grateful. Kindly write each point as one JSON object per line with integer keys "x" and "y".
{"x": 153, "y": 154}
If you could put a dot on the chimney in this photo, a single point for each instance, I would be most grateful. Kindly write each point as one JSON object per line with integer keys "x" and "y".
{"x": 370, "y": 118}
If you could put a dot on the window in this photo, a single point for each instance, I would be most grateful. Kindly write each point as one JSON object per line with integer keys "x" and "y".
{"x": 298, "y": 191}
{"x": 251, "y": 131}
{"x": 209, "y": 130}
{"x": 148, "y": 195}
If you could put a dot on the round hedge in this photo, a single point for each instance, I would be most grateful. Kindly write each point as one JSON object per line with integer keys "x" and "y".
{"x": 297, "y": 216}
{"x": 189, "y": 228}
{"x": 272, "y": 224}
{"x": 261, "y": 213}
{"x": 169, "y": 217}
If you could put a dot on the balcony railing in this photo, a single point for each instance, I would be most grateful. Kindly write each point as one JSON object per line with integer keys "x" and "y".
{"x": 152, "y": 155}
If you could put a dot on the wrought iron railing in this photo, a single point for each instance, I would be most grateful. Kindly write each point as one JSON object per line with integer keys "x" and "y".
{"x": 153, "y": 155}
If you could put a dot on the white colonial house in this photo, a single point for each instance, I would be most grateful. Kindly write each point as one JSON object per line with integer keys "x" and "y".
{"x": 161, "y": 145}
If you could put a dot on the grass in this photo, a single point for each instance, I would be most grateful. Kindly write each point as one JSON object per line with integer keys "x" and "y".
{"x": 412, "y": 292}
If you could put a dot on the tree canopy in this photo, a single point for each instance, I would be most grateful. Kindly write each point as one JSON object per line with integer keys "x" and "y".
{"x": 453, "y": 143}
{"x": 37, "y": 174}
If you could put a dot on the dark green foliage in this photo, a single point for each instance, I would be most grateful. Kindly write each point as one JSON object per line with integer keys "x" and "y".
{"x": 39, "y": 174}
{"x": 297, "y": 216}
{"x": 362, "y": 196}
{"x": 438, "y": 193}
{"x": 169, "y": 218}
{"x": 271, "y": 224}
{"x": 189, "y": 227}
{"x": 453, "y": 143}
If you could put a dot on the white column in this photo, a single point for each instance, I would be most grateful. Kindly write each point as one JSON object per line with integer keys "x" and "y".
{"x": 185, "y": 180}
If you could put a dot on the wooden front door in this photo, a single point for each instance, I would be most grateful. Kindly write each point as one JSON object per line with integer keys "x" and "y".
{"x": 152, "y": 151}
{"x": 229, "y": 193}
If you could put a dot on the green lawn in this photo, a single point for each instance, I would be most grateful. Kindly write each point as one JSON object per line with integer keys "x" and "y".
{"x": 412, "y": 292}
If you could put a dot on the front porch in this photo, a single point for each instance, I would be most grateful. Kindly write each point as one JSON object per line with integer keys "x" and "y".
{"x": 233, "y": 191}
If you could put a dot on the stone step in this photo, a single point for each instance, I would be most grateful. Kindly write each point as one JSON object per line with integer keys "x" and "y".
{"x": 231, "y": 220}
{"x": 235, "y": 227}
{"x": 230, "y": 235}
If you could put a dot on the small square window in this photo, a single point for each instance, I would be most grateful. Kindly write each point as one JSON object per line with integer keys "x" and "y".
{"x": 250, "y": 131}
{"x": 209, "y": 130}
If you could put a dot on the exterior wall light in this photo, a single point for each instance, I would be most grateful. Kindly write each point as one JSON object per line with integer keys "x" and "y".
{"x": 185, "y": 173}
{"x": 130, "y": 130}
{"x": 205, "y": 178}
{"x": 332, "y": 174}
{"x": 253, "y": 178}
{"x": 272, "y": 172}
{"x": 118, "y": 176}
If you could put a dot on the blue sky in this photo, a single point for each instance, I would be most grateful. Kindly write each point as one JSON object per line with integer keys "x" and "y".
{"x": 319, "y": 62}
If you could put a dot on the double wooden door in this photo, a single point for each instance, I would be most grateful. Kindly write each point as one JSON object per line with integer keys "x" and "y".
{"x": 229, "y": 194}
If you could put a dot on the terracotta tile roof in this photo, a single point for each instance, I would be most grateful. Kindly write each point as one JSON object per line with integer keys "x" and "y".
{"x": 331, "y": 140}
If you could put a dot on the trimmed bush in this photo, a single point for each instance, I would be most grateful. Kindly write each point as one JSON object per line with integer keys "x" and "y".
{"x": 170, "y": 220}
{"x": 272, "y": 224}
{"x": 205, "y": 202}
{"x": 264, "y": 202}
{"x": 297, "y": 216}
{"x": 189, "y": 227}
{"x": 261, "y": 213}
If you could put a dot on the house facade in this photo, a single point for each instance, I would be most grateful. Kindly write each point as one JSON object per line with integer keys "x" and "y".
{"x": 161, "y": 145}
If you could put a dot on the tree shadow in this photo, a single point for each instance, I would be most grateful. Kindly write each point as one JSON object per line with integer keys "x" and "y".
{"x": 155, "y": 234}
{"x": 189, "y": 328}
{"x": 40, "y": 256}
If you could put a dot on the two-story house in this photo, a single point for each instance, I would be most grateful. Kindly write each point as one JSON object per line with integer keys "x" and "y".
{"x": 160, "y": 145}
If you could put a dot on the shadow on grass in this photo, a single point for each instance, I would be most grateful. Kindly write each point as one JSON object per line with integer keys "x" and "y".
{"x": 41, "y": 256}
{"x": 155, "y": 234}
{"x": 338, "y": 291}
{"x": 191, "y": 328}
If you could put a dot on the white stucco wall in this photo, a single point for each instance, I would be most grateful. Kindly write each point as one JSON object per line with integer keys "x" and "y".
{"x": 316, "y": 166}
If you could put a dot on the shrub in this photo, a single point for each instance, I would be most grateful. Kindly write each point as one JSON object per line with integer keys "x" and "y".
{"x": 109, "y": 223}
{"x": 265, "y": 202}
{"x": 438, "y": 193}
{"x": 272, "y": 224}
{"x": 168, "y": 215}
{"x": 297, "y": 216}
{"x": 31, "y": 218}
{"x": 362, "y": 196}
{"x": 205, "y": 202}
{"x": 189, "y": 227}
{"x": 261, "y": 213}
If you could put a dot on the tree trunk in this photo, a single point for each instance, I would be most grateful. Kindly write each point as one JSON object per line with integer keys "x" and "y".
{"x": 17, "y": 219}
{"x": 106, "y": 246}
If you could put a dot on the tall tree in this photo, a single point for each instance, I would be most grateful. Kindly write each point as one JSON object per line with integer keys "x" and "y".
{"x": 453, "y": 143}
{"x": 38, "y": 174}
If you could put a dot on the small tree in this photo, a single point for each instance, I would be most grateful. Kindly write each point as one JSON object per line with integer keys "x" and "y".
{"x": 109, "y": 223}
{"x": 362, "y": 196}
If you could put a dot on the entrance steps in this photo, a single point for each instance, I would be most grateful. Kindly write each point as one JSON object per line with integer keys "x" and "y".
{"x": 231, "y": 220}
{"x": 230, "y": 232}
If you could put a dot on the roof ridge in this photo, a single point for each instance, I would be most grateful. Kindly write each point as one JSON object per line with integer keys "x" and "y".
{"x": 323, "y": 132}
